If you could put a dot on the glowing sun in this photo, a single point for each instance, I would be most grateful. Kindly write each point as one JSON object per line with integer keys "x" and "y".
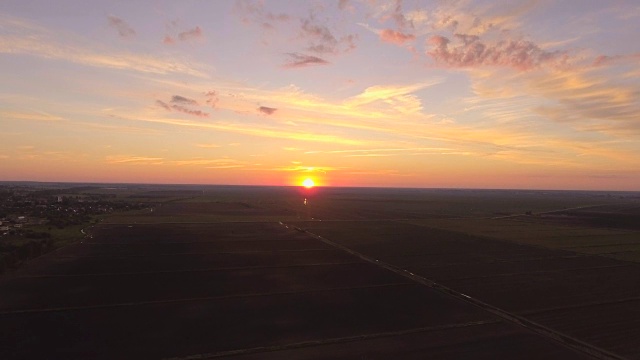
{"x": 308, "y": 183}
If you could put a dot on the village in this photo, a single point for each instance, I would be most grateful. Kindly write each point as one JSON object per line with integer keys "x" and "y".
{"x": 36, "y": 220}
{"x": 23, "y": 207}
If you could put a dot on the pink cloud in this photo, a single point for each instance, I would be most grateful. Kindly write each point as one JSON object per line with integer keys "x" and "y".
{"x": 193, "y": 34}
{"x": 603, "y": 60}
{"x": 470, "y": 51}
{"x": 343, "y": 4}
{"x": 301, "y": 60}
{"x": 124, "y": 30}
{"x": 212, "y": 98}
{"x": 395, "y": 37}
{"x": 168, "y": 40}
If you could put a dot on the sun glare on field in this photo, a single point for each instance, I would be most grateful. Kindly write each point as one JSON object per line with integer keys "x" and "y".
{"x": 308, "y": 183}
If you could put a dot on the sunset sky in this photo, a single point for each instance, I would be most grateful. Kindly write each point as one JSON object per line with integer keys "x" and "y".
{"x": 473, "y": 94}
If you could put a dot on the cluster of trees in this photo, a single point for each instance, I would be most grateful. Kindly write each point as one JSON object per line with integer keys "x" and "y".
{"x": 12, "y": 255}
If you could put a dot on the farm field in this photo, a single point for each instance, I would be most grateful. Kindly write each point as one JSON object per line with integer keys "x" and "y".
{"x": 257, "y": 274}
{"x": 549, "y": 285}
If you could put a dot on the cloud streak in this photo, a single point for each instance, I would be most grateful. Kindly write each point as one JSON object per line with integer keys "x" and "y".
{"x": 179, "y": 107}
{"x": 183, "y": 100}
{"x": 29, "y": 39}
{"x": 254, "y": 12}
{"x": 192, "y": 34}
{"x": 297, "y": 60}
{"x": 124, "y": 30}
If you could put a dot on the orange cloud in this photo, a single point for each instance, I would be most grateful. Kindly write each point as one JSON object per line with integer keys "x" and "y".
{"x": 134, "y": 160}
{"x": 395, "y": 37}
{"x": 168, "y": 40}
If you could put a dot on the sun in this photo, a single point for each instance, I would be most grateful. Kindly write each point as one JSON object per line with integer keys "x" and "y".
{"x": 308, "y": 183}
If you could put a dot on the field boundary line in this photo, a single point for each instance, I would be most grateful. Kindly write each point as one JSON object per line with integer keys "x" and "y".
{"x": 548, "y": 333}
{"x": 194, "y": 253}
{"x": 203, "y": 298}
{"x": 330, "y": 341}
{"x": 581, "y": 305}
{"x": 539, "y": 272}
{"x": 231, "y": 268}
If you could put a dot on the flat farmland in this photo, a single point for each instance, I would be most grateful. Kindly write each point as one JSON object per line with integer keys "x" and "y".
{"x": 241, "y": 288}
{"x": 615, "y": 326}
{"x": 244, "y": 274}
{"x": 618, "y": 242}
{"x": 520, "y": 279}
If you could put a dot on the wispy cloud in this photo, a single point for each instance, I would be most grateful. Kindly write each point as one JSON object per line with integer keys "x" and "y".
{"x": 399, "y": 98}
{"x": 191, "y": 34}
{"x": 175, "y": 36}
{"x": 381, "y": 150}
{"x": 180, "y": 103}
{"x": 208, "y": 146}
{"x": 223, "y": 162}
{"x": 315, "y": 32}
{"x": 258, "y": 130}
{"x": 183, "y": 100}
{"x": 253, "y": 12}
{"x": 297, "y": 60}
{"x": 124, "y": 30}
{"x": 212, "y": 98}
{"x": 188, "y": 111}
{"x": 134, "y": 160}
{"x": 31, "y": 116}
{"x": 610, "y": 60}
{"x": 321, "y": 40}
{"x": 219, "y": 163}
{"x": 308, "y": 169}
{"x": 26, "y": 38}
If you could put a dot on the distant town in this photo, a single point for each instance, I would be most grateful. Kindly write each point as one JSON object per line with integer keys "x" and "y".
{"x": 34, "y": 220}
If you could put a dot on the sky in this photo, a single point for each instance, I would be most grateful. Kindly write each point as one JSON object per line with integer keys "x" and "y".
{"x": 435, "y": 94}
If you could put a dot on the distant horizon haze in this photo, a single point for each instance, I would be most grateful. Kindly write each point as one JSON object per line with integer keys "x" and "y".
{"x": 302, "y": 188}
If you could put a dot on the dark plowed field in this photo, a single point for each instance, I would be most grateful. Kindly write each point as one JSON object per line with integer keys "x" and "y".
{"x": 519, "y": 279}
{"x": 485, "y": 341}
{"x": 614, "y": 326}
{"x": 265, "y": 290}
{"x": 79, "y": 265}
